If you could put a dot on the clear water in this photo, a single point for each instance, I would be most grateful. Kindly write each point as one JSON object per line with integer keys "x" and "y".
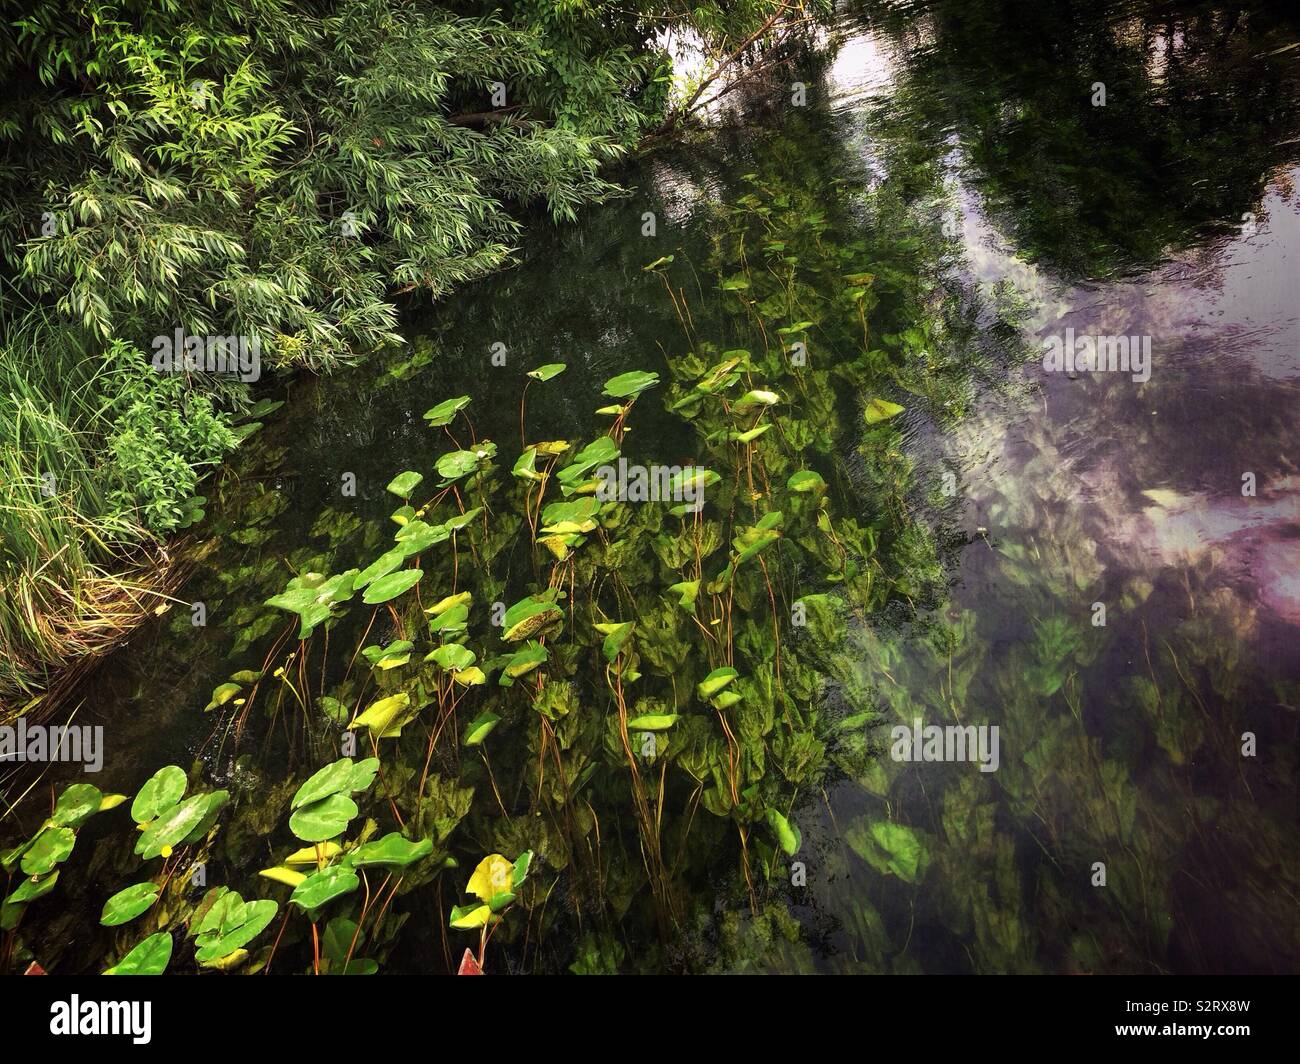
{"x": 955, "y": 154}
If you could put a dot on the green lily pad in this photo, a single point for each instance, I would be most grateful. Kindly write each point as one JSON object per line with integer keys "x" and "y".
{"x": 77, "y": 804}
{"x": 324, "y": 886}
{"x": 323, "y": 819}
{"x": 175, "y": 825}
{"x": 787, "y": 834}
{"x": 879, "y": 410}
{"x": 546, "y": 372}
{"x": 443, "y": 413}
{"x": 392, "y": 851}
{"x": 389, "y": 587}
{"x": 653, "y": 722}
{"x": 480, "y": 728}
{"x": 230, "y": 924}
{"x": 716, "y": 681}
{"x": 633, "y": 382}
{"x": 404, "y": 483}
{"x": 127, "y": 904}
{"x": 50, "y": 847}
{"x": 149, "y": 957}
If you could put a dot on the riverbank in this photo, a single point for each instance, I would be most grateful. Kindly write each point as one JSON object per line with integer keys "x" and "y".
{"x": 262, "y": 184}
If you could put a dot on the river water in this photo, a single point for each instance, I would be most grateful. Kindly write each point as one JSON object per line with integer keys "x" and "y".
{"x": 1100, "y": 569}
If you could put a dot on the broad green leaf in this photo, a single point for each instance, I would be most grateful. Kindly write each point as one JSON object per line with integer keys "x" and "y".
{"x": 323, "y": 819}
{"x": 451, "y": 656}
{"x": 443, "y": 413}
{"x": 383, "y": 565}
{"x": 33, "y": 888}
{"x": 527, "y": 617}
{"x": 386, "y": 717}
{"x": 879, "y": 410}
{"x": 787, "y": 834}
{"x": 175, "y": 825}
{"x": 469, "y": 917}
{"x": 127, "y": 904}
{"x": 546, "y": 372}
{"x": 806, "y": 481}
{"x": 50, "y": 847}
{"x": 77, "y": 804}
{"x": 240, "y": 923}
{"x": 149, "y": 957}
{"x": 334, "y": 778}
{"x": 324, "y": 886}
{"x": 631, "y": 383}
{"x": 652, "y": 722}
{"x": 716, "y": 681}
{"x": 389, "y": 587}
{"x": 616, "y": 637}
{"x": 480, "y": 727}
{"x": 221, "y": 694}
{"x": 404, "y": 483}
{"x": 392, "y": 851}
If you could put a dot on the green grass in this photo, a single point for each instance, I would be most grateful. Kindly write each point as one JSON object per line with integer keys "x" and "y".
{"x": 78, "y": 556}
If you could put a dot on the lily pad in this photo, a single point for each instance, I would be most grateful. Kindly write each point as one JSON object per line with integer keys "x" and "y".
{"x": 404, "y": 483}
{"x": 127, "y": 904}
{"x": 879, "y": 410}
{"x": 633, "y": 382}
{"x": 443, "y": 413}
{"x": 323, "y": 819}
{"x": 149, "y": 957}
{"x": 389, "y": 587}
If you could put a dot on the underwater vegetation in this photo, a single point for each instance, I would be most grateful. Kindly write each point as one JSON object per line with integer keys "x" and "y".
{"x": 592, "y": 661}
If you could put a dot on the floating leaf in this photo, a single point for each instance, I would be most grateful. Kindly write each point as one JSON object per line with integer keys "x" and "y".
{"x": 389, "y": 587}
{"x": 879, "y": 410}
{"x": 334, "y": 778}
{"x": 386, "y": 717}
{"x": 807, "y": 481}
{"x": 324, "y": 886}
{"x": 161, "y": 791}
{"x": 33, "y": 888}
{"x": 469, "y": 917}
{"x": 150, "y": 957}
{"x": 456, "y": 464}
{"x": 221, "y": 694}
{"x": 716, "y": 681}
{"x": 443, "y": 413}
{"x": 288, "y": 876}
{"x": 616, "y": 637}
{"x": 480, "y": 727}
{"x": 633, "y": 382}
{"x": 230, "y": 924}
{"x": 393, "y": 656}
{"x": 51, "y": 847}
{"x": 176, "y": 824}
{"x": 524, "y": 660}
{"x": 77, "y": 804}
{"x": 686, "y": 593}
{"x": 323, "y": 819}
{"x": 529, "y": 616}
{"x": 652, "y": 722}
{"x": 493, "y": 875}
{"x": 787, "y": 834}
{"x": 452, "y": 656}
{"x": 756, "y": 397}
{"x": 127, "y": 904}
{"x": 404, "y": 483}
{"x": 392, "y": 851}
{"x": 546, "y": 372}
